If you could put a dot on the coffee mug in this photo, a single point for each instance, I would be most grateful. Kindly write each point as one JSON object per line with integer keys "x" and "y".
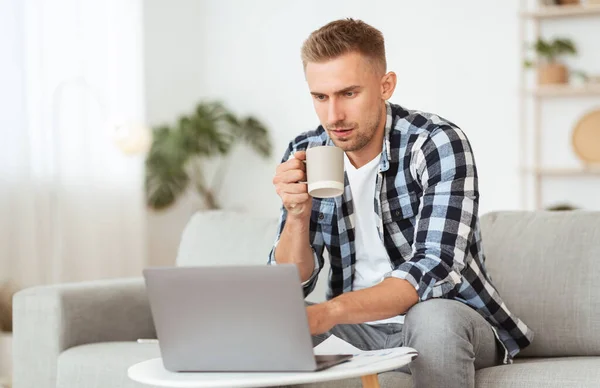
{"x": 325, "y": 171}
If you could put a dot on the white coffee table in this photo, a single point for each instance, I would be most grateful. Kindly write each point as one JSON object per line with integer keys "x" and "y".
{"x": 366, "y": 366}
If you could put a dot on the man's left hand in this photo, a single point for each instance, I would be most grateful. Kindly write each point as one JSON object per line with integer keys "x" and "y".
{"x": 320, "y": 318}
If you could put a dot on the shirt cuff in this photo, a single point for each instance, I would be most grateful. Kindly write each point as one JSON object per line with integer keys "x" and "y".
{"x": 427, "y": 286}
{"x": 316, "y": 269}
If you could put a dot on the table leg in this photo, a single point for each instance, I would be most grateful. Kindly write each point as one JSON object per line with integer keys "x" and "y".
{"x": 370, "y": 381}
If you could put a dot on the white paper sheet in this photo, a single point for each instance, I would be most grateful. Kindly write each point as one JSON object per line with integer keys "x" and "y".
{"x": 374, "y": 356}
{"x": 336, "y": 345}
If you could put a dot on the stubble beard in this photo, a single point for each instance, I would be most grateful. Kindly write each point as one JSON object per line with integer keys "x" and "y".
{"x": 361, "y": 138}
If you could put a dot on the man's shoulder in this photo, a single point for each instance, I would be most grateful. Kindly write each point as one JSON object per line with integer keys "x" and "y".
{"x": 306, "y": 140}
{"x": 312, "y": 138}
{"x": 418, "y": 131}
{"x": 417, "y": 122}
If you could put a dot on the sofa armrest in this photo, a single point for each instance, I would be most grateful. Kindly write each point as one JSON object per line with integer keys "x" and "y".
{"x": 51, "y": 319}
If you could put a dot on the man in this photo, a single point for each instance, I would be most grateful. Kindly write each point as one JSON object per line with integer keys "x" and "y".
{"x": 407, "y": 266}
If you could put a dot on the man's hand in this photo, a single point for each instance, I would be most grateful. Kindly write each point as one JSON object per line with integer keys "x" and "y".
{"x": 293, "y": 194}
{"x": 321, "y": 318}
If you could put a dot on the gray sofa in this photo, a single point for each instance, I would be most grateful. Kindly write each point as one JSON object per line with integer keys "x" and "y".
{"x": 546, "y": 265}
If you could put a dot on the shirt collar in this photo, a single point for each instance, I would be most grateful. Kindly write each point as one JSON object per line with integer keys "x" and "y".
{"x": 384, "y": 164}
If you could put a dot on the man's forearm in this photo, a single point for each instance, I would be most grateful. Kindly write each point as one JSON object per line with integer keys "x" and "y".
{"x": 294, "y": 247}
{"x": 384, "y": 300}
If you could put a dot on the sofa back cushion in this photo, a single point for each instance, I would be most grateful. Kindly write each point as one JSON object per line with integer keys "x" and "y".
{"x": 546, "y": 266}
{"x": 213, "y": 238}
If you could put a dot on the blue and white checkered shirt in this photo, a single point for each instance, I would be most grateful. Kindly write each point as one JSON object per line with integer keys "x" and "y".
{"x": 426, "y": 204}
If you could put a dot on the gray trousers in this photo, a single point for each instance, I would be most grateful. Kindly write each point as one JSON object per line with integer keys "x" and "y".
{"x": 452, "y": 339}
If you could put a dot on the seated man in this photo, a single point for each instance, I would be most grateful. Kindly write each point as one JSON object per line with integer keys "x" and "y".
{"x": 407, "y": 266}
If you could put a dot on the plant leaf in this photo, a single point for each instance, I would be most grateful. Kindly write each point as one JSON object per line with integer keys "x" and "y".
{"x": 564, "y": 46}
{"x": 528, "y": 64}
{"x": 253, "y": 133}
{"x": 165, "y": 179}
{"x": 550, "y": 50}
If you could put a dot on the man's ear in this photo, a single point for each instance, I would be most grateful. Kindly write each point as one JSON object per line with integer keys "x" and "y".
{"x": 388, "y": 84}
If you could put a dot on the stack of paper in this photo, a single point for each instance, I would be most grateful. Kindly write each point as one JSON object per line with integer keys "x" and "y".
{"x": 336, "y": 345}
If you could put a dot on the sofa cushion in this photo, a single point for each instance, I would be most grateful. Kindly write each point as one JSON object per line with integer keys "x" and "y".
{"x": 546, "y": 266}
{"x": 566, "y": 372}
{"x": 105, "y": 365}
{"x": 102, "y": 364}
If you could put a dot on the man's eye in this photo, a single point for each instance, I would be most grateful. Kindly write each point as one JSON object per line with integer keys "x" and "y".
{"x": 350, "y": 94}
{"x": 320, "y": 97}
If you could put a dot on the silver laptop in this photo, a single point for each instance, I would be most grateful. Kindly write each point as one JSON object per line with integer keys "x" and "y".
{"x": 232, "y": 319}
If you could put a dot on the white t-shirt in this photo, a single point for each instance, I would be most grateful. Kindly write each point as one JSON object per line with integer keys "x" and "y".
{"x": 372, "y": 259}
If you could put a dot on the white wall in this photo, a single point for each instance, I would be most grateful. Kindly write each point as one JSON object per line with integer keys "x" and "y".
{"x": 459, "y": 59}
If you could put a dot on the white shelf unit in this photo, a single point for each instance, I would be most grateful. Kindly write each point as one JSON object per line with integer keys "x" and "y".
{"x": 533, "y": 172}
{"x": 566, "y": 172}
{"x": 562, "y": 11}
{"x": 553, "y": 91}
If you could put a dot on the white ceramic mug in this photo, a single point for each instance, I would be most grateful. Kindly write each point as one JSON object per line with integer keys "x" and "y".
{"x": 325, "y": 171}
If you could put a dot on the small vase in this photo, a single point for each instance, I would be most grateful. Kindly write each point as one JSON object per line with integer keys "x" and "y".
{"x": 552, "y": 73}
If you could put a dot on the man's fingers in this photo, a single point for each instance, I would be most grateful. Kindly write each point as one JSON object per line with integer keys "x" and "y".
{"x": 292, "y": 164}
{"x": 291, "y": 188}
{"x": 301, "y": 155}
{"x": 290, "y": 176}
{"x": 294, "y": 188}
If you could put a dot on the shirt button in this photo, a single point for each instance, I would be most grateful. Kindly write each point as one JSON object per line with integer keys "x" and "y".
{"x": 321, "y": 216}
{"x": 397, "y": 213}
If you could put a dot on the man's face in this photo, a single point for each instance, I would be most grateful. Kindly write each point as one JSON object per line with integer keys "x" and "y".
{"x": 347, "y": 98}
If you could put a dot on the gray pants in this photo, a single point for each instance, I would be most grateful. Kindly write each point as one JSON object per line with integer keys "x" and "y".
{"x": 452, "y": 339}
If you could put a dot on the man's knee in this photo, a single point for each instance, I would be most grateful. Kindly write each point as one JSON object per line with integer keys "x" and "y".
{"x": 436, "y": 320}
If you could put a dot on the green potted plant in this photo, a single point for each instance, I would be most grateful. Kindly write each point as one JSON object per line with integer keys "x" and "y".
{"x": 179, "y": 152}
{"x": 550, "y": 69}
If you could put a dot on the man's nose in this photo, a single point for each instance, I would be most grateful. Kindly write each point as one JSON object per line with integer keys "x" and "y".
{"x": 335, "y": 112}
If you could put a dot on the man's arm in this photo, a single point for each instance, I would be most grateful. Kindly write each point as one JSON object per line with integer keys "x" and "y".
{"x": 293, "y": 242}
{"x": 387, "y": 299}
{"x": 447, "y": 214}
{"x": 294, "y": 247}
{"x": 448, "y": 211}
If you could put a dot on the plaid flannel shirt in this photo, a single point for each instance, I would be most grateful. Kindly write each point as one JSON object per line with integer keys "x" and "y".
{"x": 426, "y": 202}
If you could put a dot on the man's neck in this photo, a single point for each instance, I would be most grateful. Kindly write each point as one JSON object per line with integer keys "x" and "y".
{"x": 373, "y": 148}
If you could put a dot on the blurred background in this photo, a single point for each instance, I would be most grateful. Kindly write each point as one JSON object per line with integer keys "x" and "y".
{"x": 121, "y": 118}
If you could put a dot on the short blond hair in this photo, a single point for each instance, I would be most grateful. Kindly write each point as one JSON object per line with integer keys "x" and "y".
{"x": 344, "y": 36}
